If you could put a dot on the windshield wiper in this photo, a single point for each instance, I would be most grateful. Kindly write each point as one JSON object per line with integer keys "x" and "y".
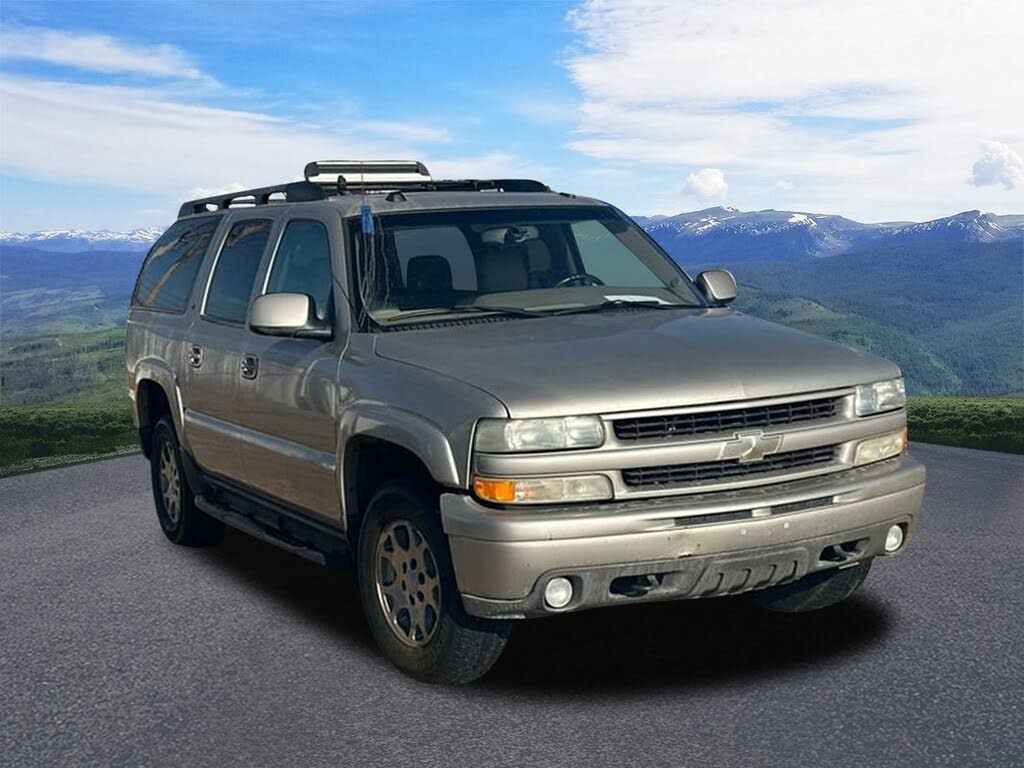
{"x": 618, "y": 304}
{"x": 419, "y": 314}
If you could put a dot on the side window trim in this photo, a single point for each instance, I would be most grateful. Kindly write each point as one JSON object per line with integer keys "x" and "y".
{"x": 277, "y": 237}
{"x": 232, "y": 221}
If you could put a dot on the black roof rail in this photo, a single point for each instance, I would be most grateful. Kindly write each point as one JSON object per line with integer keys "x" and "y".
{"x": 294, "y": 192}
{"x": 341, "y": 177}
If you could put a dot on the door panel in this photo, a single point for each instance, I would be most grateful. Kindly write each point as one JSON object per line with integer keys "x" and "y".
{"x": 213, "y": 350}
{"x": 288, "y": 421}
{"x": 210, "y": 397}
{"x": 288, "y": 397}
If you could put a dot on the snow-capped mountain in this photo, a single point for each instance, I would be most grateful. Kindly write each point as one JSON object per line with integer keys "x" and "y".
{"x": 77, "y": 240}
{"x": 969, "y": 226}
{"x": 730, "y": 235}
{"x": 711, "y": 235}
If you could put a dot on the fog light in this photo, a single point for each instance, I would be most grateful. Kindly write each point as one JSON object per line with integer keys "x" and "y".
{"x": 558, "y": 592}
{"x": 894, "y": 538}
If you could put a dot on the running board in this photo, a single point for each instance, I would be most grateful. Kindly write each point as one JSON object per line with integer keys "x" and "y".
{"x": 249, "y": 526}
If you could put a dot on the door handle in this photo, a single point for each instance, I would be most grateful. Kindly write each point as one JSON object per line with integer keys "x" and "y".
{"x": 195, "y": 356}
{"x": 250, "y": 366}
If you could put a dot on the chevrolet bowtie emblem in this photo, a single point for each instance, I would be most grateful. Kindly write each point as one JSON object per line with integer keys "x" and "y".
{"x": 751, "y": 446}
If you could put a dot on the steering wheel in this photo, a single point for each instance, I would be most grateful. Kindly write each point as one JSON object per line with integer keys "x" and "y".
{"x": 582, "y": 278}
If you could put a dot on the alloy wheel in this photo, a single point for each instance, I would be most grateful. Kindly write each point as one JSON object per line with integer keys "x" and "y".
{"x": 408, "y": 584}
{"x": 170, "y": 483}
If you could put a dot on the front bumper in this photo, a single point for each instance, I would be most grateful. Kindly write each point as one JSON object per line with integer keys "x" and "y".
{"x": 676, "y": 547}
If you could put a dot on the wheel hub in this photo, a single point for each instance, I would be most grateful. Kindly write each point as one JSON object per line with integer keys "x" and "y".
{"x": 408, "y": 586}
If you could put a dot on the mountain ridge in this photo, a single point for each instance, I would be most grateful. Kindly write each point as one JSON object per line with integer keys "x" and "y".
{"x": 81, "y": 240}
{"x": 690, "y": 236}
{"x": 727, "y": 235}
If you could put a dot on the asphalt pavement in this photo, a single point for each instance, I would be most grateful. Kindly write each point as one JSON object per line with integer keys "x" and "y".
{"x": 118, "y": 648}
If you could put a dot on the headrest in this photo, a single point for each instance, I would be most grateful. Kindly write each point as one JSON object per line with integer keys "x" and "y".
{"x": 502, "y": 268}
{"x": 428, "y": 273}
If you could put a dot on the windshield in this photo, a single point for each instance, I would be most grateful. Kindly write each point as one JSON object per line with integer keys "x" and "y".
{"x": 513, "y": 260}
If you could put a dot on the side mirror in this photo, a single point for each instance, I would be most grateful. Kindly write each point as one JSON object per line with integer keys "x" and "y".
{"x": 288, "y": 314}
{"x": 718, "y": 285}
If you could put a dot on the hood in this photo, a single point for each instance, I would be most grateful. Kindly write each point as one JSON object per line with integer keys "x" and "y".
{"x": 615, "y": 361}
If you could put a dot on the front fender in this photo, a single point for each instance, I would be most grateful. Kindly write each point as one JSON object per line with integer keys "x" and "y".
{"x": 416, "y": 434}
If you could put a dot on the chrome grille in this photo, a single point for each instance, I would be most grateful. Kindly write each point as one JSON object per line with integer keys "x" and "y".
{"x": 684, "y": 424}
{"x": 709, "y": 471}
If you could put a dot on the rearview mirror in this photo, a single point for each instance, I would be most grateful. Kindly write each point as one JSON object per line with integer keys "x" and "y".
{"x": 288, "y": 314}
{"x": 718, "y": 285}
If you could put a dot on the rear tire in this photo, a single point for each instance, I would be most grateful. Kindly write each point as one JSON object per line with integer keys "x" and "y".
{"x": 814, "y": 591}
{"x": 181, "y": 521}
{"x": 408, "y": 591}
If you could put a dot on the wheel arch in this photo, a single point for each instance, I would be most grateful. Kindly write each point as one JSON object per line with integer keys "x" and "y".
{"x": 377, "y": 444}
{"x": 155, "y": 394}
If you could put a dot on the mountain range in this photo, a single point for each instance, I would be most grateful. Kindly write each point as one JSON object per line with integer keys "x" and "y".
{"x": 80, "y": 240}
{"x": 943, "y": 298}
{"x": 692, "y": 237}
{"x": 712, "y": 235}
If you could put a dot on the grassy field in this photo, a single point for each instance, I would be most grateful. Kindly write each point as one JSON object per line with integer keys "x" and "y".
{"x": 63, "y": 368}
{"x": 992, "y": 423}
{"x": 39, "y": 436}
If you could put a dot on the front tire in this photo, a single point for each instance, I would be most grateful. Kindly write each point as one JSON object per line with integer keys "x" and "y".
{"x": 181, "y": 521}
{"x": 408, "y": 591}
{"x": 814, "y": 591}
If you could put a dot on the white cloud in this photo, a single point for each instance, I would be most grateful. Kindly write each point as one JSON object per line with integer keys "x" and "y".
{"x": 998, "y": 165}
{"x": 706, "y": 185}
{"x": 153, "y": 141}
{"x": 96, "y": 53}
{"x": 785, "y": 185}
{"x": 876, "y": 106}
{"x": 219, "y": 189}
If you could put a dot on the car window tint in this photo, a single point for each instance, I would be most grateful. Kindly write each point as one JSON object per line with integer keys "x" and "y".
{"x": 303, "y": 264}
{"x": 166, "y": 278}
{"x": 608, "y": 258}
{"x": 231, "y": 284}
{"x": 434, "y": 243}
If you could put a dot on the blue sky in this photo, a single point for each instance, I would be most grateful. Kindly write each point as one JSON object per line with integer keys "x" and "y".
{"x": 112, "y": 113}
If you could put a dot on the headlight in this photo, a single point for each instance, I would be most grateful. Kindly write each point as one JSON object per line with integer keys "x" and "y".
{"x": 523, "y": 435}
{"x": 878, "y": 448}
{"x": 543, "y": 490}
{"x": 880, "y": 396}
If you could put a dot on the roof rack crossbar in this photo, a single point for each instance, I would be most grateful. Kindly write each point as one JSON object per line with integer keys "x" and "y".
{"x": 444, "y": 185}
{"x": 371, "y": 168}
{"x": 294, "y": 192}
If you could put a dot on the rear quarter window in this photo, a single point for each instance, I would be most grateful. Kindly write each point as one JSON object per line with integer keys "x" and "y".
{"x": 169, "y": 271}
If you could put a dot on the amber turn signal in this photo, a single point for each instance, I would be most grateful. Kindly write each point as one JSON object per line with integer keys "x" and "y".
{"x": 502, "y": 491}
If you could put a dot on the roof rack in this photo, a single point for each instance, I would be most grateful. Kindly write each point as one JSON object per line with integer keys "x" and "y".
{"x": 368, "y": 174}
{"x": 342, "y": 177}
{"x": 294, "y": 192}
{"x": 354, "y": 176}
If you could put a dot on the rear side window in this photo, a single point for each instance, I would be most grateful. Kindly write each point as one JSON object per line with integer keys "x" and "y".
{"x": 303, "y": 264}
{"x": 170, "y": 269}
{"x": 231, "y": 284}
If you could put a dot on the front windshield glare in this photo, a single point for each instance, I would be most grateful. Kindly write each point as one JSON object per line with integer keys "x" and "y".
{"x": 533, "y": 259}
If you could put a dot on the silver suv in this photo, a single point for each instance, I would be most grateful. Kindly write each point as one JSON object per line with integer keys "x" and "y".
{"x": 500, "y": 402}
